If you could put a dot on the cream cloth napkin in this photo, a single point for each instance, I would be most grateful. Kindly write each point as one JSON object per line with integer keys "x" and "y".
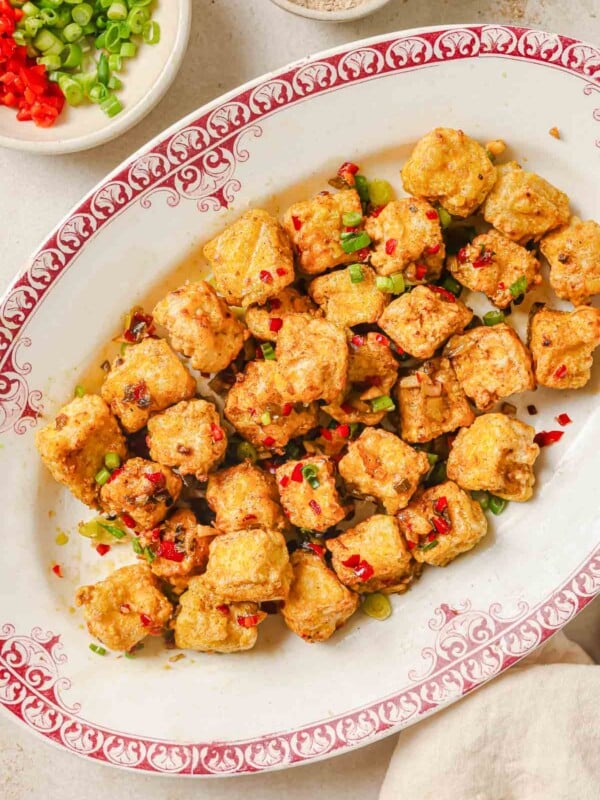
{"x": 532, "y": 734}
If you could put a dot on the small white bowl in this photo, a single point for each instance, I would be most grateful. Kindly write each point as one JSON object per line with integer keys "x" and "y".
{"x": 145, "y": 78}
{"x": 362, "y": 10}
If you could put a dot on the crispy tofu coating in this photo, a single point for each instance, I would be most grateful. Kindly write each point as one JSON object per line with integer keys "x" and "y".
{"x": 264, "y": 322}
{"x": 314, "y": 502}
{"x": 201, "y": 326}
{"x": 373, "y": 557}
{"x": 448, "y": 167}
{"x": 431, "y": 402}
{"x": 318, "y": 604}
{"x": 420, "y": 321}
{"x": 312, "y": 357}
{"x": 442, "y": 523}
{"x": 209, "y": 624}
{"x": 180, "y": 546}
{"x": 562, "y": 343}
{"x": 125, "y": 607}
{"x": 492, "y": 264}
{"x": 407, "y": 236}
{"x": 148, "y": 377}
{"x": 490, "y": 364}
{"x": 251, "y": 259}
{"x": 573, "y": 253}
{"x": 314, "y": 226}
{"x": 243, "y": 497}
{"x": 74, "y": 444}
{"x": 251, "y": 564}
{"x": 346, "y": 303}
{"x": 259, "y": 411}
{"x": 188, "y": 436}
{"x": 495, "y": 454}
{"x": 380, "y": 465}
{"x": 524, "y": 206}
{"x": 143, "y": 489}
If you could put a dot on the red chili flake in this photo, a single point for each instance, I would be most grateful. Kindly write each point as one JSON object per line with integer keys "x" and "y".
{"x": 444, "y": 293}
{"x": 224, "y": 609}
{"x": 350, "y": 228}
{"x": 560, "y": 372}
{"x": 352, "y": 562}
{"x": 281, "y": 271}
{"x": 275, "y": 324}
{"x": 326, "y": 434}
{"x": 115, "y": 473}
{"x": 483, "y": 260}
{"x": 157, "y": 478}
{"x": 155, "y": 534}
{"x": 128, "y": 520}
{"x": 316, "y": 548}
{"x": 441, "y": 504}
{"x": 564, "y": 419}
{"x": 546, "y": 438}
{"x": 357, "y": 340}
{"x": 102, "y": 549}
{"x": 362, "y": 255}
{"x": 124, "y": 608}
{"x": 432, "y": 214}
{"x": 168, "y": 550}
{"x": 249, "y": 517}
{"x": 420, "y": 271}
{"x": 274, "y": 304}
{"x": 145, "y": 620}
{"x": 297, "y": 473}
{"x": 410, "y": 545}
{"x": 249, "y": 621}
{"x": 297, "y": 223}
{"x": 502, "y": 286}
{"x": 265, "y": 276}
{"x": 348, "y": 167}
{"x": 381, "y": 339}
{"x": 377, "y": 211}
{"x": 364, "y": 571}
{"x": 139, "y": 391}
{"x": 431, "y": 537}
{"x": 343, "y": 430}
{"x": 315, "y": 507}
{"x": 268, "y": 441}
{"x": 441, "y": 525}
{"x": 347, "y": 408}
{"x": 287, "y": 409}
{"x": 462, "y": 255}
{"x": 284, "y": 481}
{"x": 390, "y": 246}
{"x": 216, "y": 432}
{"x": 432, "y": 249}
{"x": 57, "y": 570}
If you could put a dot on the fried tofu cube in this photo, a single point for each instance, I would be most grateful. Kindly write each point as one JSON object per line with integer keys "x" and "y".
{"x": 573, "y": 253}
{"x": 251, "y": 564}
{"x": 180, "y": 546}
{"x": 143, "y": 489}
{"x": 492, "y": 264}
{"x": 148, "y": 377}
{"x": 310, "y": 502}
{"x": 201, "y": 326}
{"x": 442, "y": 523}
{"x": 74, "y": 444}
{"x": 562, "y": 343}
{"x": 420, "y": 321}
{"x": 346, "y": 303}
{"x": 188, "y": 436}
{"x": 495, "y": 454}
{"x": 312, "y": 357}
{"x": 373, "y": 557}
{"x": 408, "y": 238}
{"x": 251, "y": 259}
{"x": 490, "y": 364}
{"x": 209, "y": 624}
{"x": 318, "y": 604}
{"x": 245, "y": 496}
{"x": 264, "y": 322}
{"x": 431, "y": 402}
{"x": 524, "y": 206}
{"x": 380, "y": 465}
{"x": 315, "y": 227}
{"x": 448, "y": 167}
{"x": 125, "y": 607}
{"x": 257, "y": 409}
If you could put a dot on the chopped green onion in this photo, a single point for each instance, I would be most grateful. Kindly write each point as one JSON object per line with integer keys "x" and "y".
{"x": 246, "y": 451}
{"x": 124, "y": 31}
{"x": 519, "y": 287}
{"x": 82, "y": 13}
{"x": 451, "y": 285}
{"x": 429, "y": 545}
{"x": 265, "y": 419}
{"x": 137, "y": 18}
{"x": 100, "y": 41}
{"x": 384, "y": 284}
{"x": 377, "y": 605}
{"x": 383, "y": 403}
{"x": 293, "y": 450}
{"x": 72, "y": 32}
{"x": 112, "y": 460}
{"x": 102, "y": 476}
{"x": 352, "y": 242}
{"x": 445, "y": 217}
{"x": 118, "y": 533}
{"x": 96, "y": 648}
{"x": 493, "y": 318}
{"x": 268, "y": 351}
{"x": 137, "y": 547}
{"x": 314, "y": 483}
{"x": 483, "y": 498}
{"x": 437, "y": 474}
{"x": 117, "y": 10}
{"x": 356, "y": 273}
{"x": 47, "y": 42}
{"x": 111, "y": 106}
{"x": 128, "y": 50}
{"x": 354, "y": 426}
{"x": 362, "y": 187}
{"x": 112, "y": 41}
{"x": 380, "y": 192}
{"x": 309, "y": 471}
{"x": 103, "y": 69}
{"x": 497, "y": 504}
{"x": 391, "y": 284}
{"x": 71, "y": 56}
{"x": 352, "y": 218}
{"x": 97, "y": 94}
{"x": 150, "y": 556}
{"x": 398, "y": 285}
{"x": 79, "y": 390}
{"x": 114, "y": 83}
{"x": 433, "y": 458}
{"x": 115, "y": 62}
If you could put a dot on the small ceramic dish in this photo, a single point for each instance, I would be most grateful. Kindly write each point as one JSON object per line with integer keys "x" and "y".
{"x": 146, "y": 78}
{"x": 347, "y": 15}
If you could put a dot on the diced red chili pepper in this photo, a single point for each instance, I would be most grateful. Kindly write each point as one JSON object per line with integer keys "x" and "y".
{"x": 373, "y": 380}
{"x": 441, "y": 504}
{"x": 315, "y": 507}
{"x": 284, "y": 481}
{"x": 273, "y": 304}
{"x": 431, "y": 537}
{"x": 297, "y": 223}
{"x": 363, "y": 254}
{"x": 216, "y": 432}
{"x": 350, "y": 228}
{"x": 115, "y": 474}
{"x": 432, "y": 214}
{"x": 364, "y": 571}
{"x": 462, "y": 256}
{"x": 124, "y": 608}
{"x": 275, "y": 324}
{"x": 347, "y": 408}
{"x": 377, "y": 211}
{"x": 281, "y": 271}
{"x": 564, "y": 419}
{"x": 168, "y": 550}
{"x": 483, "y": 260}
{"x": 145, "y": 620}
{"x": 57, "y": 570}
{"x": 343, "y": 430}
{"x": 102, "y": 549}
{"x": 155, "y": 534}
{"x": 348, "y": 167}
{"x": 352, "y": 562}
{"x": 128, "y": 520}
{"x": 390, "y": 246}
{"x": 381, "y": 339}
{"x": 265, "y": 276}
{"x": 224, "y": 609}
{"x": 316, "y": 548}
{"x": 268, "y": 441}
{"x": 444, "y": 293}
{"x": 501, "y": 286}
{"x": 441, "y": 525}
{"x": 560, "y": 372}
{"x": 410, "y": 545}
{"x": 286, "y": 409}
{"x": 297, "y": 473}
{"x": 420, "y": 271}
{"x": 326, "y": 434}
{"x": 357, "y": 340}
{"x": 249, "y": 621}
{"x": 249, "y": 517}
{"x": 546, "y": 438}
{"x": 432, "y": 249}
{"x": 157, "y": 478}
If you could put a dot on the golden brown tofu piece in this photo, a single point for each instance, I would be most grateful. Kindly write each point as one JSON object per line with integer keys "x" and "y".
{"x": 310, "y": 502}
{"x": 250, "y": 564}
{"x": 180, "y": 546}
{"x": 257, "y": 409}
{"x": 346, "y": 303}
{"x": 315, "y": 226}
{"x": 492, "y": 264}
{"x": 448, "y": 167}
{"x": 201, "y": 326}
{"x": 495, "y": 454}
{"x": 125, "y": 607}
{"x": 562, "y": 343}
{"x": 431, "y": 402}
{"x": 408, "y": 238}
{"x": 245, "y": 496}
{"x": 148, "y": 377}
{"x": 209, "y": 624}
{"x": 524, "y": 206}
{"x": 442, "y": 523}
{"x": 251, "y": 259}
{"x": 265, "y": 322}
{"x": 74, "y": 444}
{"x": 420, "y": 321}
{"x": 573, "y": 253}
{"x": 143, "y": 489}
{"x": 188, "y": 436}
{"x": 490, "y": 364}
{"x": 312, "y": 358}
{"x": 380, "y": 465}
{"x": 318, "y": 604}
{"x": 373, "y": 557}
